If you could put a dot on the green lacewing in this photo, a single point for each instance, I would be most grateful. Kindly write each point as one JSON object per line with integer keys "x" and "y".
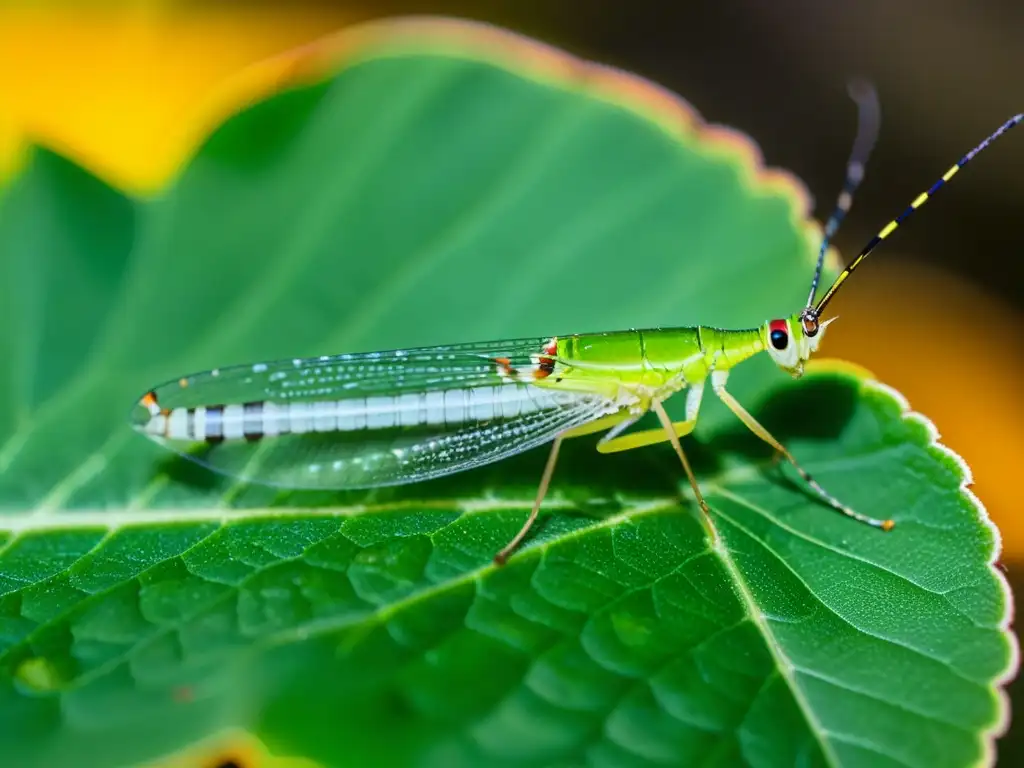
{"x": 402, "y": 416}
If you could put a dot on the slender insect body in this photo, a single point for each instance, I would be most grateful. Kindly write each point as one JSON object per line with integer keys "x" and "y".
{"x": 385, "y": 418}
{"x": 248, "y": 418}
{"x": 267, "y": 418}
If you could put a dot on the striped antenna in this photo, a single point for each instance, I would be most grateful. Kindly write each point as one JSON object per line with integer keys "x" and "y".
{"x": 869, "y": 117}
{"x": 810, "y": 316}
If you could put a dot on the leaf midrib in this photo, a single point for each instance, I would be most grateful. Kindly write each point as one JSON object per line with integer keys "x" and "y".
{"x": 783, "y": 665}
{"x": 787, "y": 668}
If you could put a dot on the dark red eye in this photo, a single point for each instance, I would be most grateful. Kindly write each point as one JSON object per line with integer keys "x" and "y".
{"x": 778, "y": 334}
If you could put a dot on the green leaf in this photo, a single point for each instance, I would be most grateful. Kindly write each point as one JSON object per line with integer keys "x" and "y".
{"x": 448, "y": 183}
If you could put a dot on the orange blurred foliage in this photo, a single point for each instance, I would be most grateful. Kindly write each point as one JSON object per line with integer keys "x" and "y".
{"x": 126, "y": 91}
{"x": 918, "y": 328}
{"x": 129, "y": 93}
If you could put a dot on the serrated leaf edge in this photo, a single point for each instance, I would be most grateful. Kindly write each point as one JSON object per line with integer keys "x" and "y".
{"x": 1000, "y": 727}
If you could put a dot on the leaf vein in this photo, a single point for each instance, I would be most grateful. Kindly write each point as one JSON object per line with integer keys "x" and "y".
{"x": 898, "y": 643}
{"x": 830, "y": 547}
{"x": 906, "y": 707}
{"x": 783, "y": 664}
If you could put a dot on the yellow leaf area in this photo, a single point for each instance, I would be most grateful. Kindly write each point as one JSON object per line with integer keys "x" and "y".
{"x": 129, "y": 94}
{"x": 231, "y": 749}
{"x": 130, "y": 91}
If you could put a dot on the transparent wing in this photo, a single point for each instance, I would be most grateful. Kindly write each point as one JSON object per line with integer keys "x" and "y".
{"x": 356, "y": 375}
{"x": 371, "y": 419}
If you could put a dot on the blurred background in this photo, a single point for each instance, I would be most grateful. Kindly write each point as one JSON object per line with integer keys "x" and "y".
{"x": 128, "y": 89}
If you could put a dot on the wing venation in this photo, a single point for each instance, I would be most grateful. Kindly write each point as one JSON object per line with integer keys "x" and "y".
{"x": 364, "y": 420}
